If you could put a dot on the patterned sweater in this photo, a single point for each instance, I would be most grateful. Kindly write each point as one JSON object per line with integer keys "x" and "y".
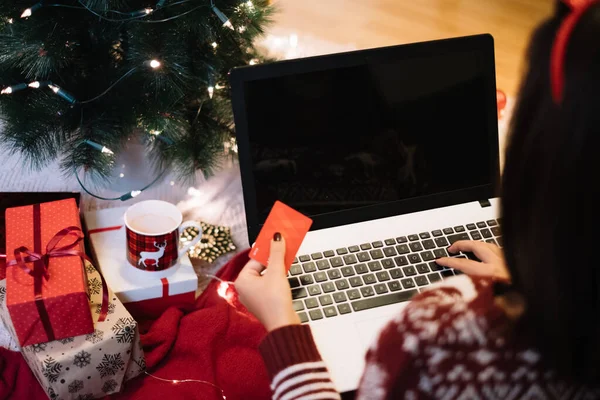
{"x": 450, "y": 342}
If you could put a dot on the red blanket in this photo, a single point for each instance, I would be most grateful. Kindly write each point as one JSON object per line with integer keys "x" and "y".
{"x": 215, "y": 341}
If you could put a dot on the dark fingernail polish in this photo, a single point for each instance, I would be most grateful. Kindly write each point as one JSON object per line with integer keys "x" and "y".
{"x": 277, "y": 237}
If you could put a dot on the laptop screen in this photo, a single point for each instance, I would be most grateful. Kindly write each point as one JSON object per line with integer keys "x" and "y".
{"x": 371, "y": 133}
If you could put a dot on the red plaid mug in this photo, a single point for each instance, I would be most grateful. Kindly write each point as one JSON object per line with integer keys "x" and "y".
{"x": 153, "y": 230}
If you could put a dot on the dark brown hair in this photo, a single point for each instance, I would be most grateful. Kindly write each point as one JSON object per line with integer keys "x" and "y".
{"x": 550, "y": 207}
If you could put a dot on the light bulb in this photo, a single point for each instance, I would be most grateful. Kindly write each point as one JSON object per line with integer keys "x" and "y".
{"x": 172, "y": 183}
{"x": 106, "y": 150}
{"x": 242, "y": 29}
{"x": 135, "y": 193}
{"x": 148, "y": 10}
{"x": 154, "y": 64}
{"x": 229, "y": 25}
{"x": 7, "y": 90}
{"x": 226, "y": 22}
{"x": 219, "y": 87}
{"x": 26, "y": 13}
{"x": 121, "y": 175}
{"x": 222, "y": 289}
{"x": 250, "y": 4}
{"x": 211, "y": 91}
{"x": 155, "y": 132}
{"x": 55, "y": 89}
{"x": 10, "y": 21}
{"x": 254, "y": 61}
{"x": 214, "y": 45}
{"x": 175, "y": 381}
{"x": 34, "y": 85}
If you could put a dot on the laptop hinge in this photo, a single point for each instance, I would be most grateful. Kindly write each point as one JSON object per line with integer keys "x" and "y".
{"x": 485, "y": 203}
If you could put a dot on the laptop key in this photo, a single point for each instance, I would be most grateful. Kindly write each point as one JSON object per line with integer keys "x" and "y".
{"x": 323, "y": 264}
{"x": 342, "y": 284}
{"x": 448, "y": 231}
{"x": 298, "y": 305}
{"x": 353, "y": 294}
{"x": 365, "y": 246}
{"x": 471, "y": 256}
{"x": 350, "y": 259}
{"x": 342, "y": 251}
{"x": 492, "y": 222}
{"x": 383, "y": 276}
{"x": 362, "y": 257}
{"x": 439, "y": 253}
{"x": 325, "y": 300}
{"x": 496, "y": 231}
{"x": 389, "y": 252}
{"x": 471, "y": 227}
{"x": 401, "y": 261}
{"x": 442, "y": 242}
{"x": 414, "y": 258}
{"x": 361, "y": 269}
{"x": 412, "y": 238}
{"x": 339, "y": 297}
{"x": 408, "y": 283}
{"x": 295, "y": 270}
{"x": 347, "y": 271}
{"x": 304, "y": 258}
{"x": 320, "y": 276}
{"x": 435, "y": 266}
{"x": 387, "y": 263}
{"x": 423, "y": 268}
{"x": 311, "y": 303}
{"x": 354, "y": 249}
{"x": 427, "y": 256}
{"x": 396, "y": 273}
{"x": 306, "y": 280}
{"x": 380, "y": 288}
{"x": 314, "y": 290}
{"x": 294, "y": 282}
{"x": 457, "y": 237}
{"x": 330, "y": 312}
{"x": 369, "y": 279}
{"x": 394, "y": 286}
{"x": 376, "y": 254}
{"x": 295, "y": 260}
{"x": 329, "y": 253}
{"x": 475, "y": 235}
{"x": 309, "y": 267}
{"x": 393, "y": 298}
{"x": 344, "y": 308}
{"x": 409, "y": 271}
{"x": 334, "y": 274}
{"x": 447, "y": 273}
{"x": 375, "y": 266}
{"x": 316, "y": 256}
{"x": 315, "y": 315}
{"x": 377, "y": 244}
{"x": 434, "y": 277}
{"x": 336, "y": 261}
{"x": 303, "y": 317}
{"x": 458, "y": 272}
{"x": 390, "y": 242}
{"x": 428, "y": 244}
{"x": 367, "y": 291}
{"x": 421, "y": 280}
{"x": 402, "y": 249}
{"x": 416, "y": 246}
{"x": 459, "y": 229}
{"x": 328, "y": 287}
{"x": 486, "y": 233}
{"x": 355, "y": 281}
{"x": 299, "y": 293}
{"x": 481, "y": 224}
{"x": 436, "y": 233}
{"x": 401, "y": 239}
{"x": 424, "y": 235}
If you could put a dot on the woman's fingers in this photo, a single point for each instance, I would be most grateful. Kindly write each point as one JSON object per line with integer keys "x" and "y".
{"x": 464, "y": 264}
{"x": 480, "y": 249}
{"x": 253, "y": 268}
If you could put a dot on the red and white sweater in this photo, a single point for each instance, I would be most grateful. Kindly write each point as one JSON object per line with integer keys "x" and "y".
{"x": 448, "y": 343}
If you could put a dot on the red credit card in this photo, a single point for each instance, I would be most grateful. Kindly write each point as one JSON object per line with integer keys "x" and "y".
{"x": 292, "y": 225}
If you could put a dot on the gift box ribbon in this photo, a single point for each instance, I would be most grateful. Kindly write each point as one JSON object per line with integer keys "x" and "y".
{"x": 41, "y": 261}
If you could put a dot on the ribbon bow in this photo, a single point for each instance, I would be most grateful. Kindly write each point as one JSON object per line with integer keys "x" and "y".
{"x": 40, "y": 270}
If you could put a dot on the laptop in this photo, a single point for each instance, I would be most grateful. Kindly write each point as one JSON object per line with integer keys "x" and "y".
{"x": 393, "y": 152}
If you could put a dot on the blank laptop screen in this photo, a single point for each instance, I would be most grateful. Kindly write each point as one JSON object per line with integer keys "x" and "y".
{"x": 358, "y": 136}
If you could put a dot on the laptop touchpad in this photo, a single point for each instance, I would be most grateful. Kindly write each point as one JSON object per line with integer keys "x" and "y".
{"x": 368, "y": 330}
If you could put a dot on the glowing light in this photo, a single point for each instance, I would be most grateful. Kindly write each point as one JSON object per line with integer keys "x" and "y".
{"x": 154, "y": 132}
{"x": 121, "y": 175}
{"x": 55, "y": 89}
{"x": 226, "y": 22}
{"x": 254, "y": 61}
{"x": 214, "y": 45}
{"x": 242, "y": 29}
{"x": 293, "y": 40}
{"x": 34, "y": 85}
{"x": 7, "y": 90}
{"x": 211, "y": 91}
{"x": 154, "y": 64}
{"x": 250, "y": 4}
{"x": 175, "y": 381}
{"x": 222, "y": 289}
{"x": 106, "y": 150}
{"x": 219, "y": 87}
{"x": 10, "y": 21}
{"x": 148, "y": 10}
{"x": 229, "y": 25}
{"x": 27, "y": 13}
{"x": 172, "y": 183}
{"x": 135, "y": 193}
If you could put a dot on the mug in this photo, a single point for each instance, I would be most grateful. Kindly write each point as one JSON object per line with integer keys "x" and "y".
{"x": 153, "y": 230}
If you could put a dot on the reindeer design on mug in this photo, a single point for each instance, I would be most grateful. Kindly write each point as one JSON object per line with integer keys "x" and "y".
{"x": 153, "y": 255}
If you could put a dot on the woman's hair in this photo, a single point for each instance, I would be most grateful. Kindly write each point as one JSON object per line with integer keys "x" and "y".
{"x": 550, "y": 200}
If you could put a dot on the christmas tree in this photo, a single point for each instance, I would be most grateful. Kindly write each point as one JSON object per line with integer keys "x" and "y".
{"x": 80, "y": 77}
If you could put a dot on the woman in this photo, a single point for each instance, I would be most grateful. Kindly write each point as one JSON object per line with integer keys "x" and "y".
{"x": 479, "y": 336}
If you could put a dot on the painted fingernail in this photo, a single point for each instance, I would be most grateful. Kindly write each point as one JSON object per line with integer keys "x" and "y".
{"x": 277, "y": 237}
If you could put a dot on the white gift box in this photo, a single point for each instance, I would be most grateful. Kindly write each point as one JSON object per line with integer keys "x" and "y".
{"x": 145, "y": 294}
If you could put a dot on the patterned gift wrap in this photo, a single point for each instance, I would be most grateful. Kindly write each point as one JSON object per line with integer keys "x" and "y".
{"x": 87, "y": 366}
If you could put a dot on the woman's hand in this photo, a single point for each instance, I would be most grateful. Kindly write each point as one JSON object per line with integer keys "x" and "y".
{"x": 492, "y": 260}
{"x": 268, "y": 296}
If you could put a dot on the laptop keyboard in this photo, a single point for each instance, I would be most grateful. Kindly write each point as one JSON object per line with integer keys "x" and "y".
{"x": 368, "y": 275}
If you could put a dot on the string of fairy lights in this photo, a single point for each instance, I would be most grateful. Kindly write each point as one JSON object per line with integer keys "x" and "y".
{"x": 139, "y": 17}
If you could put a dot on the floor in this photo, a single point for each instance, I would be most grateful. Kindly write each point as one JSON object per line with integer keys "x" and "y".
{"x": 335, "y": 25}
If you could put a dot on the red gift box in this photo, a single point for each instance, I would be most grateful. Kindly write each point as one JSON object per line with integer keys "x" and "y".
{"x": 55, "y": 305}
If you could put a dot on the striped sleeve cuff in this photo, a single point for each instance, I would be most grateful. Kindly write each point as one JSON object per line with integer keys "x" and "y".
{"x": 295, "y": 365}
